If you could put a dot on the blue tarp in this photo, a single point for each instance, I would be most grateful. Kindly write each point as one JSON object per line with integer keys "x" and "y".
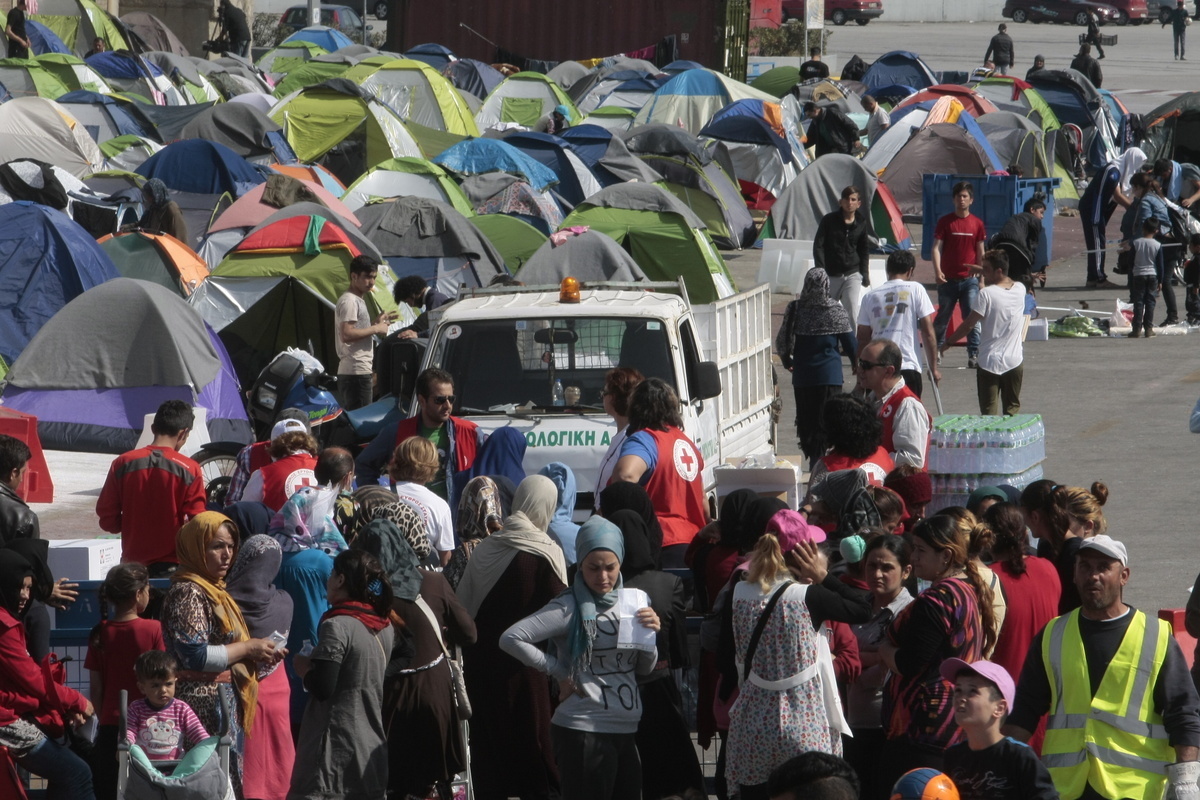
{"x": 127, "y": 67}
{"x": 477, "y": 156}
{"x": 46, "y": 260}
{"x": 329, "y": 38}
{"x": 899, "y": 66}
{"x": 202, "y": 167}
{"x": 44, "y": 40}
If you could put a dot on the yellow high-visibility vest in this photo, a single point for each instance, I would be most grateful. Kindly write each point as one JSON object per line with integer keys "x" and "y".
{"x": 1116, "y": 740}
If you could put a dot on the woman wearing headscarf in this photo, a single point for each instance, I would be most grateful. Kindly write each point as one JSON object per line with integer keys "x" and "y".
{"x": 512, "y": 574}
{"x": 46, "y": 592}
{"x": 502, "y": 454}
{"x": 664, "y": 740}
{"x": 205, "y": 630}
{"x": 563, "y": 529}
{"x": 162, "y": 214}
{"x": 269, "y": 749}
{"x": 425, "y": 748}
{"x": 479, "y": 516}
{"x": 26, "y": 714}
{"x": 594, "y": 728}
{"x": 251, "y": 517}
{"x": 814, "y": 326}
{"x": 622, "y": 495}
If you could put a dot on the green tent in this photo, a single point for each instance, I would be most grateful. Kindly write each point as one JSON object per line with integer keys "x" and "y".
{"x": 289, "y": 55}
{"x": 310, "y": 73}
{"x": 158, "y": 258}
{"x": 515, "y": 239}
{"x": 73, "y": 72}
{"x": 78, "y": 23}
{"x": 778, "y": 81}
{"x": 665, "y": 238}
{"x": 416, "y": 92}
{"x": 400, "y": 177}
{"x": 23, "y": 77}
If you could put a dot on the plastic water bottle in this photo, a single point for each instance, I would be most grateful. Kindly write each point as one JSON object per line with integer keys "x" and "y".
{"x": 559, "y": 396}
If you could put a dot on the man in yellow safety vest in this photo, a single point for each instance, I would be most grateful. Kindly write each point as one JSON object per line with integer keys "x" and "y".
{"x": 1124, "y": 714}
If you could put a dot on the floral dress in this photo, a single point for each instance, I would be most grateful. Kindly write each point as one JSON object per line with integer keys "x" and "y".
{"x": 768, "y": 727}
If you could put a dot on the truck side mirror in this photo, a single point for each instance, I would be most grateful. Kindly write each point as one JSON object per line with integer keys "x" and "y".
{"x": 708, "y": 381}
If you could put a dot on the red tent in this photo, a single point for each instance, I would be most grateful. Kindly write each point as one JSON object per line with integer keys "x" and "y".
{"x": 975, "y": 103}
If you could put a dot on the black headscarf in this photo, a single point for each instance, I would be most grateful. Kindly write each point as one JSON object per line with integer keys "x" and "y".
{"x": 508, "y": 490}
{"x": 626, "y": 496}
{"x": 14, "y": 568}
{"x": 732, "y": 522}
{"x": 251, "y": 518}
{"x": 844, "y": 492}
{"x": 757, "y": 517}
{"x": 637, "y": 542}
{"x": 37, "y": 553}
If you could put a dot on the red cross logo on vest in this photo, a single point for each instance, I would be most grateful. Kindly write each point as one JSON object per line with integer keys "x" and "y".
{"x": 686, "y": 463}
{"x": 298, "y": 480}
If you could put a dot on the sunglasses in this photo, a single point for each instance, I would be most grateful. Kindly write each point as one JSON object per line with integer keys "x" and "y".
{"x": 443, "y": 399}
{"x": 863, "y": 364}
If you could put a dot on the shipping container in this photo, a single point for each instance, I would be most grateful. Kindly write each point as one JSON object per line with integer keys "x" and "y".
{"x": 711, "y": 32}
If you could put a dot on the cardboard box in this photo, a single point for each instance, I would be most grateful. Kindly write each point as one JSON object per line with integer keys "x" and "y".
{"x": 84, "y": 559}
{"x": 778, "y": 481}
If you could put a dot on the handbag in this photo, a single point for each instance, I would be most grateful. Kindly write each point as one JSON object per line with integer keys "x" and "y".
{"x": 461, "y": 701}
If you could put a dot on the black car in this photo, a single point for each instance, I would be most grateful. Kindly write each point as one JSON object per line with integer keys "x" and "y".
{"x": 1069, "y": 11}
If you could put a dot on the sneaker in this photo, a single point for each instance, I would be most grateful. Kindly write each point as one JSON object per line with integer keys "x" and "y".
{"x": 972, "y": 362}
{"x": 1169, "y": 321}
{"x": 1150, "y": 333}
{"x": 1132, "y": 335}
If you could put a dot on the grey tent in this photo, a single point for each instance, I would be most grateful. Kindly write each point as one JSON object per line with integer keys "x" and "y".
{"x": 239, "y": 126}
{"x": 816, "y": 192}
{"x": 420, "y": 236}
{"x": 942, "y": 149}
{"x": 153, "y": 32}
{"x": 568, "y": 73}
{"x": 588, "y": 256}
{"x": 1017, "y": 140}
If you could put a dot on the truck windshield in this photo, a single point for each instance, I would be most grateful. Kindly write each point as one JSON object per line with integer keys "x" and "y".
{"x": 497, "y": 363}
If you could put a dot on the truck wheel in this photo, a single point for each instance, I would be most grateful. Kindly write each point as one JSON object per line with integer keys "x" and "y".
{"x": 217, "y": 469}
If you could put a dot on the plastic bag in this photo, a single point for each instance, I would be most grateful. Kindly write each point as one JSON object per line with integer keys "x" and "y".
{"x": 1122, "y": 317}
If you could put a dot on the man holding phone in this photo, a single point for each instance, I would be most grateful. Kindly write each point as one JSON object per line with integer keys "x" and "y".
{"x": 353, "y": 331}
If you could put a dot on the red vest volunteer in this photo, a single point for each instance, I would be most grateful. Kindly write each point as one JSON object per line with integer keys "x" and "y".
{"x": 283, "y": 478}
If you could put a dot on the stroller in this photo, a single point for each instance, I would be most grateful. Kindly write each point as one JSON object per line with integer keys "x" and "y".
{"x": 202, "y": 774}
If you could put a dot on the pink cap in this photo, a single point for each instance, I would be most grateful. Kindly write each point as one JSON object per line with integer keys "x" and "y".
{"x": 791, "y": 528}
{"x": 987, "y": 670}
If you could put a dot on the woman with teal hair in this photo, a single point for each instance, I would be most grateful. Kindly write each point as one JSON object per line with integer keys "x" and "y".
{"x": 600, "y": 638}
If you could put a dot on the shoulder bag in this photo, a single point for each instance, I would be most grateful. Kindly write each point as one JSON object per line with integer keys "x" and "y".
{"x": 461, "y": 701}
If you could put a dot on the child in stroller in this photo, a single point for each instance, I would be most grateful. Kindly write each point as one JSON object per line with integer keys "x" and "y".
{"x": 165, "y": 728}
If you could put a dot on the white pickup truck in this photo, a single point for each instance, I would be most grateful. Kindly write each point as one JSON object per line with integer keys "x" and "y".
{"x": 507, "y": 347}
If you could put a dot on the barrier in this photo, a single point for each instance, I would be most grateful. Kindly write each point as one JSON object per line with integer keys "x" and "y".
{"x": 997, "y": 197}
{"x": 36, "y": 487}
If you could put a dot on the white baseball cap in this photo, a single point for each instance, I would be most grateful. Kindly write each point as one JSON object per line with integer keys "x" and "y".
{"x": 287, "y": 426}
{"x": 1108, "y": 546}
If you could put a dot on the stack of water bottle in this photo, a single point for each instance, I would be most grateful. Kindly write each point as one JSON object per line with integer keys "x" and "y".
{"x": 966, "y": 452}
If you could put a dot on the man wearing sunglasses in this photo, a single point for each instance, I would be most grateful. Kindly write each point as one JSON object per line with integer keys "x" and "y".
{"x": 906, "y": 423}
{"x": 457, "y": 440}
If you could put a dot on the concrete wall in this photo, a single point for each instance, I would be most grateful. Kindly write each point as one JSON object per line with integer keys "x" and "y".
{"x": 193, "y": 21}
{"x": 942, "y": 10}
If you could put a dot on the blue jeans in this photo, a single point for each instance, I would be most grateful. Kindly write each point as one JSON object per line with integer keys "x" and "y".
{"x": 69, "y": 776}
{"x": 962, "y": 292}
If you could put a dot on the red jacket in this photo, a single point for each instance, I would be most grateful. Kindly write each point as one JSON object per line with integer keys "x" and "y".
{"x": 22, "y": 685}
{"x": 676, "y": 486}
{"x": 464, "y": 443}
{"x": 887, "y": 415}
{"x": 148, "y": 495}
{"x": 282, "y": 478}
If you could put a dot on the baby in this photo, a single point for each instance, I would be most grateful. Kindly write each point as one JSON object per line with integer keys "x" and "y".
{"x": 165, "y": 728}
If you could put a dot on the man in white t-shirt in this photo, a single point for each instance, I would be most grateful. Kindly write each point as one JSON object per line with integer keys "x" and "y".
{"x": 352, "y": 335}
{"x": 1000, "y": 308}
{"x": 415, "y": 463}
{"x": 900, "y": 310}
{"x": 878, "y": 121}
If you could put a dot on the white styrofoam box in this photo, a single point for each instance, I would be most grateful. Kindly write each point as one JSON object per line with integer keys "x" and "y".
{"x": 784, "y": 263}
{"x": 83, "y": 559}
{"x": 196, "y": 439}
{"x": 877, "y": 269}
{"x": 1039, "y": 330}
{"x": 764, "y": 480}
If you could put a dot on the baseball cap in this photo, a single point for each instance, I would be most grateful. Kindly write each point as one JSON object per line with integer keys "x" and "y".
{"x": 287, "y": 426}
{"x": 1108, "y": 546}
{"x": 791, "y": 528}
{"x": 987, "y": 670}
{"x": 982, "y": 493}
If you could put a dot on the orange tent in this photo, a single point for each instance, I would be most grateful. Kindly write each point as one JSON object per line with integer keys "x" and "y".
{"x": 156, "y": 257}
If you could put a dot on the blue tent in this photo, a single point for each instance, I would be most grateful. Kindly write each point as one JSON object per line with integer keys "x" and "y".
{"x": 201, "y": 167}
{"x": 899, "y": 66}
{"x": 435, "y": 55}
{"x": 476, "y": 77}
{"x": 681, "y": 65}
{"x": 329, "y": 38}
{"x": 477, "y": 156}
{"x": 606, "y": 155}
{"x": 892, "y": 93}
{"x": 750, "y": 130}
{"x": 124, "y": 116}
{"x": 122, "y": 66}
{"x": 46, "y": 260}
{"x": 552, "y": 152}
{"x": 44, "y": 40}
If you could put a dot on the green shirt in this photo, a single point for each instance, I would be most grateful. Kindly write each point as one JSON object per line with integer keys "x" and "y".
{"x": 440, "y": 437}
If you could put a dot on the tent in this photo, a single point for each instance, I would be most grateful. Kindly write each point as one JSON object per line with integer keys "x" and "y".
{"x": 406, "y": 177}
{"x": 340, "y": 127}
{"x": 43, "y": 39}
{"x": 73, "y": 72}
{"x": 1173, "y": 130}
{"x": 156, "y": 257}
{"x": 435, "y": 55}
{"x": 605, "y": 153}
{"x": 569, "y": 73}
{"x": 39, "y": 182}
{"x": 277, "y": 289}
{"x": 28, "y": 78}
{"x": 473, "y": 77}
{"x": 899, "y": 66}
{"x": 523, "y": 98}
{"x": 1076, "y": 101}
{"x": 218, "y": 244}
{"x": 202, "y": 167}
{"x": 260, "y": 101}
{"x": 126, "y": 72}
{"x": 418, "y": 236}
{"x": 478, "y": 156}
{"x": 502, "y": 193}
{"x": 514, "y": 239}
{"x": 77, "y": 23}
{"x": 1009, "y": 93}
{"x": 909, "y": 119}
{"x": 680, "y": 65}
{"x": 665, "y": 237}
{"x": 599, "y": 89}
{"x": 183, "y": 73}
{"x": 128, "y": 151}
{"x": 784, "y": 118}
{"x": 585, "y": 255}
{"x": 416, "y": 92}
{"x": 575, "y": 179}
{"x": 314, "y": 71}
{"x": 777, "y": 81}
{"x": 105, "y": 116}
{"x": 798, "y": 211}
{"x": 764, "y": 163}
{"x": 265, "y": 199}
{"x": 941, "y": 149}
{"x": 314, "y": 173}
{"x": 31, "y": 127}
{"x": 293, "y": 51}
{"x": 46, "y": 260}
{"x": 153, "y": 32}
{"x": 691, "y": 98}
{"x": 240, "y": 127}
{"x": 328, "y": 38}
{"x": 975, "y": 103}
{"x": 232, "y": 83}
{"x": 92, "y": 393}
{"x": 613, "y": 118}
{"x": 1019, "y": 141}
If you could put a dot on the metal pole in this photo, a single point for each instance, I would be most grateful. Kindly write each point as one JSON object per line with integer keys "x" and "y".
{"x": 937, "y": 394}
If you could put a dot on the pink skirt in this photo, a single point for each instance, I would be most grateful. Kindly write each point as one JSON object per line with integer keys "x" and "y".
{"x": 270, "y": 751}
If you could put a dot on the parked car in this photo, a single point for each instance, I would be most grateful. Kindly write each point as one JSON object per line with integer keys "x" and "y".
{"x": 1159, "y": 10}
{"x": 344, "y": 18}
{"x": 839, "y": 12}
{"x": 1068, "y": 11}
{"x": 1132, "y": 12}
